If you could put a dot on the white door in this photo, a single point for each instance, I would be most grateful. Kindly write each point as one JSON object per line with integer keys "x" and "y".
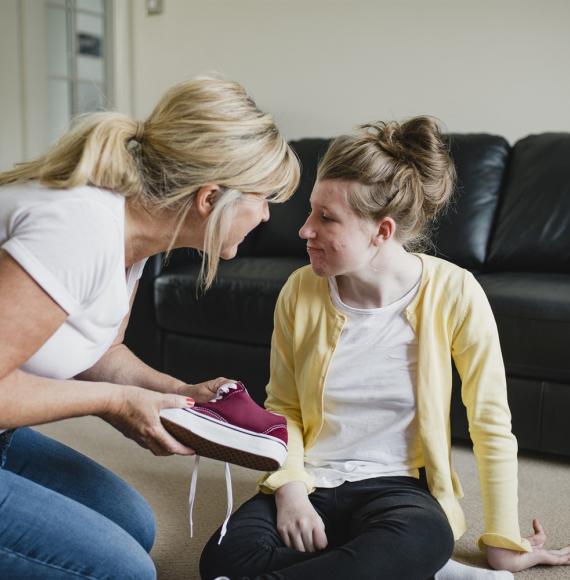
{"x": 57, "y": 60}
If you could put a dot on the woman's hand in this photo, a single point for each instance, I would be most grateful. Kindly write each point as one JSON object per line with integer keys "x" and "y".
{"x": 298, "y": 523}
{"x": 203, "y": 392}
{"x": 502, "y": 559}
{"x": 135, "y": 412}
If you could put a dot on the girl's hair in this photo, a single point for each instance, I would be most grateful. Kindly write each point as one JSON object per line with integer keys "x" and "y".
{"x": 202, "y": 131}
{"x": 404, "y": 170}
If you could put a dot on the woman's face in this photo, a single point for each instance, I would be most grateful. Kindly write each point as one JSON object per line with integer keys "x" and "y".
{"x": 251, "y": 210}
{"x": 338, "y": 241}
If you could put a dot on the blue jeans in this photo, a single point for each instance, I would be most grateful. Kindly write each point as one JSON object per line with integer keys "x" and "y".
{"x": 64, "y": 516}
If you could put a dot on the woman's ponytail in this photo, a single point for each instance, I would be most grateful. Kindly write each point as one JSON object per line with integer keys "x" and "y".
{"x": 95, "y": 151}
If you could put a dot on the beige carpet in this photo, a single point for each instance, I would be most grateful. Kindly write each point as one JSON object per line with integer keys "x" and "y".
{"x": 164, "y": 481}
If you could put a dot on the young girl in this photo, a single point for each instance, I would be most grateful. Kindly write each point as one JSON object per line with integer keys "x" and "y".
{"x": 361, "y": 367}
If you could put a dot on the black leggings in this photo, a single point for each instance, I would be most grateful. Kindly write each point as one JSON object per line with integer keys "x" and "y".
{"x": 383, "y": 528}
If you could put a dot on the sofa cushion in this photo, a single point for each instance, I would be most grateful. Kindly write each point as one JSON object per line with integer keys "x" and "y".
{"x": 280, "y": 235}
{"x": 462, "y": 233}
{"x": 555, "y": 424}
{"x": 525, "y": 402}
{"x": 196, "y": 359}
{"x": 238, "y": 307}
{"x": 533, "y": 316}
{"x": 533, "y": 227}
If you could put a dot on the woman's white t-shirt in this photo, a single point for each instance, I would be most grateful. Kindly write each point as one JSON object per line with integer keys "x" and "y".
{"x": 72, "y": 243}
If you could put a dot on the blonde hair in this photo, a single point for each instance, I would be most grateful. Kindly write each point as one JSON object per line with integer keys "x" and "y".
{"x": 202, "y": 131}
{"x": 404, "y": 168}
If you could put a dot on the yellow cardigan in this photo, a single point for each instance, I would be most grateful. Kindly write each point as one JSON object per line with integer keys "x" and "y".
{"x": 451, "y": 317}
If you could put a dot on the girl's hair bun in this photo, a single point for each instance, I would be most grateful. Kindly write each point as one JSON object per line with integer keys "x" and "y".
{"x": 407, "y": 170}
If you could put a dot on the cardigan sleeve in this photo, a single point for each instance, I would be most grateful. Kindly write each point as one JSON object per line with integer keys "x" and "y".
{"x": 282, "y": 396}
{"x": 477, "y": 355}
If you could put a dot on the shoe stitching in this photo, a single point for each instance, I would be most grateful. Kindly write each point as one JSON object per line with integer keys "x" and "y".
{"x": 215, "y": 415}
{"x": 206, "y": 411}
{"x": 274, "y": 428}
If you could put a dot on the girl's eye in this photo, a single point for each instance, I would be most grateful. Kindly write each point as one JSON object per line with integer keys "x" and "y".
{"x": 323, "y": 217}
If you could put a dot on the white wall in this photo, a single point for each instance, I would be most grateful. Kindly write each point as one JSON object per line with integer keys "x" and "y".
{"x": 11, "y": 111}
{"x": 321, "y": 66}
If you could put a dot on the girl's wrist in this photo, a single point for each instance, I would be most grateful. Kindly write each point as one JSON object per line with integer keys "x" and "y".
{"x": 292, "y": 488}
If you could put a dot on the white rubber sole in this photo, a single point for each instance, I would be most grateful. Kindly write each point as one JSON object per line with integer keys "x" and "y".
{"x": 218, "y": 440}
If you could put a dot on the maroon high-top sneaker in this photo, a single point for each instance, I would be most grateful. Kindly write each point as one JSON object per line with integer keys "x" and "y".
{"x": 231, "y": 428}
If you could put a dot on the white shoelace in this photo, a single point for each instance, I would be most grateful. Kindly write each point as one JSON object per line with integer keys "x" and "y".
{"x": 229, "y": 502}
{"x": 192, "y": 496}
{"x": 224, "y": 389}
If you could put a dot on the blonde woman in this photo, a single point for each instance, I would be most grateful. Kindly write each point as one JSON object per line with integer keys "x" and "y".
{"x": 76, "y": 226}
{"x": 361, "y": 368}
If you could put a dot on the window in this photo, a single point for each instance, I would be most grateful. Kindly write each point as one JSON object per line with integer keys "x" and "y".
{"x": 79, "y": 60}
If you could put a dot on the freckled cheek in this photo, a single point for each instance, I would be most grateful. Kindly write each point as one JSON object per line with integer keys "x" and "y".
{"x": 338, "y": 246}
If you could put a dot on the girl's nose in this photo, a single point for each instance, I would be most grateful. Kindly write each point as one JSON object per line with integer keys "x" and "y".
{"x": 306, "y": 232}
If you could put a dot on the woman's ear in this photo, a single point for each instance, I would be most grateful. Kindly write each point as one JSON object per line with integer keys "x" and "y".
{"x": 205, "y": 199}
{"x": 385, "y": 230}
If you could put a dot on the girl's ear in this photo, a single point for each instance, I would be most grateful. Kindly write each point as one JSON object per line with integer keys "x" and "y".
{"x": 205, "y": 199}
{"x": 385, "y": 230}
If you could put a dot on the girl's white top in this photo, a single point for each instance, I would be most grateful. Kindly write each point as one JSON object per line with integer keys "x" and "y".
{"x": 369, "y": 425}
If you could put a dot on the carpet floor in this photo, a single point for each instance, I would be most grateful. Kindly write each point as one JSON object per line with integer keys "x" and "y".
{"x": 544, "y": 492}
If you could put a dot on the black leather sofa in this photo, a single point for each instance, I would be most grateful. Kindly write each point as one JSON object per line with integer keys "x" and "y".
{"x": 509, "y": 225}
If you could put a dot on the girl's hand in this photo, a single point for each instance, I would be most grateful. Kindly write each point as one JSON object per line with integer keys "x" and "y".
{"x": 203, "y": 392}
{"x": 298, "y": 523}
{"x": 502, "y": 559}
{"x": 135, "y": 412}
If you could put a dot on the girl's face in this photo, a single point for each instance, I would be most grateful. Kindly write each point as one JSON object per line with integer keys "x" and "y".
{"x": 251, "y": 210}
{"x": 338, "y": 241}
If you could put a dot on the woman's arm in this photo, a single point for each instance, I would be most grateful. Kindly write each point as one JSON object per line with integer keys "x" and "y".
{"x": 119, "y": 365}
{"x": 27, "y": 399}
{"x": 29, "y": 318}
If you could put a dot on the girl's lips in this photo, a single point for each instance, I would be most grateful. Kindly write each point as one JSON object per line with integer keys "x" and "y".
{"x": 314, "y": 253}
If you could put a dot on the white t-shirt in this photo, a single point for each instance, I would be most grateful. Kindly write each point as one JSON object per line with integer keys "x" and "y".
{"x": 370, "y": 427}
{"x": 72, "y": 243}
